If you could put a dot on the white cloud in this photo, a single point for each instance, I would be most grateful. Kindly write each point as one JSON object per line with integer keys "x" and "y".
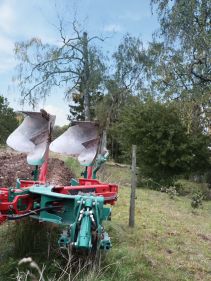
{"x": 7, "y": 16}
{"x": 61, "y": 117}
{"x": 112, "y": 28}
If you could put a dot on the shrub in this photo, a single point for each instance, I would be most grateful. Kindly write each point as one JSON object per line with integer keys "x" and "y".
{"x": 172, "y": 192}
{"x": 197, "y": 199}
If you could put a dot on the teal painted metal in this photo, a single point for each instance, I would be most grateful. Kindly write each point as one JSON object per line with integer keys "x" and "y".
{"x": 99, "y": 162}
{"x": 64, "y": 239}
{"x": 105, "y": 243}
{"x": 13, "y": 193}
{"x": 80, "y": 207}
{"x": 82, "y": 214}
{"x": 36, "y": 171}
{"x": 84, "y": 173}
{"x": 18, "y": 183}
{"x": 84, "y": 236}
{"x": 74, "y": 182}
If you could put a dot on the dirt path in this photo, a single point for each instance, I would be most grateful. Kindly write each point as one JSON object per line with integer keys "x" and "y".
{"x": 14, "y": 165}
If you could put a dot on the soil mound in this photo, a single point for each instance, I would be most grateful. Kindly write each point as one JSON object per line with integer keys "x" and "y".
{"x": 58, "y": 173}
{"x": 13, "y": 166}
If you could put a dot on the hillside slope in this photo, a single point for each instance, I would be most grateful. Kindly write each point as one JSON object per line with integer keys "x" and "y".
{"x": 169, "y": 241}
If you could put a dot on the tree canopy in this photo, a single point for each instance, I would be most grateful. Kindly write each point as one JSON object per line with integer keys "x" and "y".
{"x": 75, "y": 63}
{"x": 156, "y": 96}
{"x": 8, "y": 120}
{"x": 181, "y": 51}
{"x": 164, "y": 149}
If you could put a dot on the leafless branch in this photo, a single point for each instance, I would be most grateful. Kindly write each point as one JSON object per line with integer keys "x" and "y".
{"x": 34, "y": 87}
{"x": 96, "y": 37}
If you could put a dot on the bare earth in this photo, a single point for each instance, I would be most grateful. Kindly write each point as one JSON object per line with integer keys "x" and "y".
{"x": 14, "y": 165}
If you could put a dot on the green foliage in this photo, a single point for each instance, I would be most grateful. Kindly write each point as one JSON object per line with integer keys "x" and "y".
{"x": 8, "y": 121}
{"x": 95, "y": 85}
{"x": 172, "y": 192}
{"x": 190, "y": 24}
{"x": 107, "y": 112}
{"x": 197, "y": 199}
{"x": 58, "y": 131}
{"x": 77, "y": 109}
{"x": 151, "y": 184}
{"x": 130, "y": 61}
{"x": 186, "y": 187}
{"x": 129, "y": 78}
{"x": 181, "y": 56}
{"x": 7, "y": 269}
{"x": 164, "y": 149}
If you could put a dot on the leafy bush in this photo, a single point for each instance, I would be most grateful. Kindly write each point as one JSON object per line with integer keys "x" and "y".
{"x": 164, "y": 149}
{"x": 197, "y": 199}
{"x": 8, "y": 121}
{"x": 172, "y": 192}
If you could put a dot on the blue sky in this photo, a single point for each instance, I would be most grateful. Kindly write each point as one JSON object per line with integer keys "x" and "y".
{"x": 23, "y": 19}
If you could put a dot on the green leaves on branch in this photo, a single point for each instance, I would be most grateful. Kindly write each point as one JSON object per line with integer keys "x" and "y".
{"x": 182, "y": 61}
{"x": 8, "y": 121}
{"x": 164, "y": 149}
{"x": 130, "y": 62}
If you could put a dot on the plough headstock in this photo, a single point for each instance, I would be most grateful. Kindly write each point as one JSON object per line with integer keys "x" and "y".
{"x": 80, "y": 206}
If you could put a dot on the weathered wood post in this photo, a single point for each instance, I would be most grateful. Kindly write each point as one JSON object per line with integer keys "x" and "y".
{"x": 133, "y": 188}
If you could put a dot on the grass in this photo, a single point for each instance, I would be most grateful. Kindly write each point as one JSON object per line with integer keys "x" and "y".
{"x": 73, "y": 165}
{"x": 111, "y": 172}
{"x": 191, "y": 187}
{"x": 170, "y": 241}
{"x": 70, "y": 162}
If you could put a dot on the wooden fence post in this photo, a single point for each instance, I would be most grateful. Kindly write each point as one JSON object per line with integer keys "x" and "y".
{"x": 133, "y": 188}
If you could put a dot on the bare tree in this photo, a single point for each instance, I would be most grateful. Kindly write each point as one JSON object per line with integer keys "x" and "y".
{"x": 75, "y": 63}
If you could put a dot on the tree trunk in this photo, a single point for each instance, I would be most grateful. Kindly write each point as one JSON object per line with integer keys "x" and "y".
{"x": 86, "y": 78}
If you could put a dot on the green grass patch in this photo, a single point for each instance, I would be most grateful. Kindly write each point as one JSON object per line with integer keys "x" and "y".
{"x": 70, "y": 162}
{"x": 114, "y": 173}
{"x": 170, "y": 241}
{"x": 190, "y": 187}
{"x": 73, "y": 165}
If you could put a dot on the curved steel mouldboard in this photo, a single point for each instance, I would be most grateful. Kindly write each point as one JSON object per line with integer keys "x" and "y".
{"x": 32, "y": 136}
{"x": 80, "y": 140}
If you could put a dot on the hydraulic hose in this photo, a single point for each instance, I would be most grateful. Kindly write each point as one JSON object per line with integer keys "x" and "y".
{"x": 33, "y": 212}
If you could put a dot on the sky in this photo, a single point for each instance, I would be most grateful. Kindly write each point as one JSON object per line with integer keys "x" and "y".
{"x": 21, "y": 20}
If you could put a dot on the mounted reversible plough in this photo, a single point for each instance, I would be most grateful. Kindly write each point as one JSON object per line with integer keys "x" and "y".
{"x": 80, "y": 206}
